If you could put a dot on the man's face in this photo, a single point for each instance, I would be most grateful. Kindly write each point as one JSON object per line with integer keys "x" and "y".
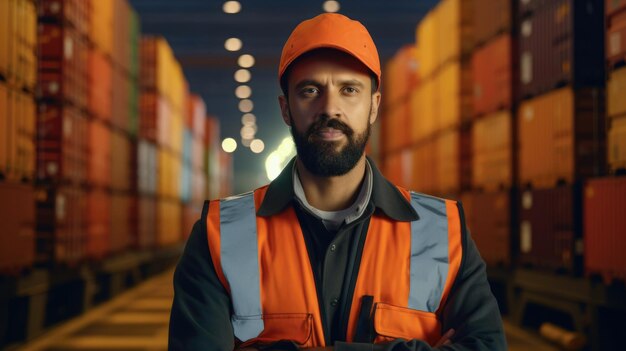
{"x": 330, "y": 110}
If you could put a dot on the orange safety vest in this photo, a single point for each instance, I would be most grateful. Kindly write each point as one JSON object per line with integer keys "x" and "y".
{"x": 408, "y": 268}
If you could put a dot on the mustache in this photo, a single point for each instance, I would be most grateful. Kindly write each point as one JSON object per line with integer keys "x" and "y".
{"x": 326, "y": 122}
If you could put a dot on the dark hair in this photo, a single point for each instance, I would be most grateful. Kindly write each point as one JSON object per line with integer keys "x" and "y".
{"x": 285, "y": 77}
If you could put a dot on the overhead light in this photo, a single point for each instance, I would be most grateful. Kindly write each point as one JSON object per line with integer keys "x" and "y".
{"x": 246, "y": 61}
{"x": 248, "y": 118}
{"x": 331, "y": 6}
{"x": 231, "y": 7}
{"x": 257, "y": 146}
{"x": 247, "y": 132}
{"x": 229, "y": 145}
{"x": 246, "y": 105}
{"x": 242, "y": 76}
{"x": 243, "y": 92}
{"x": 233, "y": 44}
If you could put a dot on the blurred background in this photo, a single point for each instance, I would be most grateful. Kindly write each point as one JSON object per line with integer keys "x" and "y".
{"x": 118, "y": 118}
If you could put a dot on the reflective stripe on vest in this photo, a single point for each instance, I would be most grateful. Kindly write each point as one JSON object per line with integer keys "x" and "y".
{"x": 240, "y": 262}
{"x": 429, "y": 248}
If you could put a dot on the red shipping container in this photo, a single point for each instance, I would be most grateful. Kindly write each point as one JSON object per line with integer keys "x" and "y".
{"x": 605, "y": 225}
{"x": 488, "y": 219}
{"x": 614, "y": 6}
{"x": 559, "y": 43}
{"x": 98, "y": 243}
{"x": 616, "y": 39}
{"x": 121, "y": 235}
{"x": 492, "y": 70}
{"x": 17, "y": 237}
{"x": 155, "y": 118}
{"x": 398, "y": 168}
{"x": 61, "y": 144}
{"x": 99, "y": 173}
{"x": 61, "y": 225}
{"x": 401, "y": 76}
{"x": 101, "y": 87}
{"x": 550, "y": 229}
{"x": 196, "y": 116}
{"x": 76, "y": 12}
{"x": 62, "y": 65}
{"x": 147, "y": 225}
{"x": 561, "y": 137}
{"x": 491, "y": 18}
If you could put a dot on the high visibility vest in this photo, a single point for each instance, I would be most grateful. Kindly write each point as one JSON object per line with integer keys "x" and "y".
{"x": 408, "y": 268}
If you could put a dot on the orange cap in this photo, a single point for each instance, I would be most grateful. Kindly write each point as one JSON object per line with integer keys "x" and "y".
{"x": 335, "y": 31}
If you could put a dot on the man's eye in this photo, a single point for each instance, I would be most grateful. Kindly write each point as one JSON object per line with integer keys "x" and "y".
{"x": 309, "y": 91}
{"x": 350, "y": 90}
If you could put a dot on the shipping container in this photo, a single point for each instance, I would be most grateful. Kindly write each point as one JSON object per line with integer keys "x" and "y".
{"x": 198, "y": 153}
{"x": 614, "y": 6}
{"x": 147, "y": 167}
{"x": 492, "y": 166}
{"x": 18, "y": 40}
{"x": 488, "y": 218}
{"x": 550, "y": 229}
{"x": 424, "y": 111}
{"x": 186, "y": 183}
{"x": 17, "y": 237}
{"x": 101, "y": 85}
{"x": 616, "y": 39}
{"x": 396, "y": 126}
{"x": 454, "y": 89}
{"x": 617, "y": 145}
{"x": 99, "y": 207}
{"x": 605, "y": 225}
{"x": 76, "y": 13}
{"x": 445, "y": 34}
{"x": 169, "y": 174}
{"x": 102, "y": 25}
{"x": 398, "y": 167}
{"x": 121, "y": 217}
{"x": 147, "y": 224}
{"x": 61, "y": 225}
{"x": 99, "y": 151}
{"x": 226, "y": 173}
{"x": 198, "y": 187}
{"x": 121, "y": 162}
{"x": 562, "y": 43}
{"x": 17, "y": 134}
{"x": 63, "y": 62}
{"x": 191, "y": 215}
{"x": 454, "y": 162}
{"x": 561, "y": 137}
{"x": 616, "y": 86}
{"x": 400, "y": 76}
{"x": 155, "y": 118}
{"x": 212, "y": 163}
{"x": 61, "y": 144}
{"x": 425, "y": 174}
{"x": 492, "y": 70}
{"x": 491, "y": 18}
{"x": 169, "y": 222}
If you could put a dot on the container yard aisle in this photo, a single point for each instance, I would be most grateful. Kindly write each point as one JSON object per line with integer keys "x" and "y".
{"x": 138, "y": 320}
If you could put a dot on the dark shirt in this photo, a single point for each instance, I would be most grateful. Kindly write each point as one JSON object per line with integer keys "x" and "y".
{"x": 200, "y": 317}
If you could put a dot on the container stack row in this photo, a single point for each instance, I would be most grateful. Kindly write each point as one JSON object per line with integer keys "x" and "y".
{"x": 103, "y": 148}
{"x": 507, "y": 106}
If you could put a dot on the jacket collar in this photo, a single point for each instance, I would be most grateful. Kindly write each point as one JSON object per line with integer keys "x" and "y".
{"x": 385, "y": 196}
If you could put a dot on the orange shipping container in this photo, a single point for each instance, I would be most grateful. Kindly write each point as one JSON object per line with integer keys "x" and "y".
{"x": 100, "y": 73}
{"x": 455, "y": 93}
{"x": 102, "y": 25}
{"x": 169, "y": 172}
{"x": 428, "y": 41}
{"x": 424, "y": 111}
{"x": 400, "y": 76}
{"x": 396, "y": 126}
{"x": 613, "y": 6}
{"x": 197, "y": 116}
{"x": 616, "y": 38}
{"x": 18, "y": 38}
{"x": 616, "y": 103}
{"x": 561, "y": 137}
{"x": 425, "y": 174}
{"x": 169, "y": 222}
{"x": 155, "y": 118}
{"x": 398, "y": 167}
{"x": 490, "y": 18}
{"x": 17, "y": 134}
{"x": 99, "y": 168}
{"x": 493, "y": 151}
{"x": 617, "y": 144}
{"x": 492, "y": 69}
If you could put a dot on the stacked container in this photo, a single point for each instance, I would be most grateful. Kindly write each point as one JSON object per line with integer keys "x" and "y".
{"x": 561, "y": 125}
{"x": 161, "y": 133}
{"x": 212, "y": 158}
{"x": 616, "y": 104}
{"x": 18, "y": 72}
{"x": 62, "y": 129}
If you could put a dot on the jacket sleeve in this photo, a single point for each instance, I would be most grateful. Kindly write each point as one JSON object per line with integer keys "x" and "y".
{"x": 200, "y": 317}
{"x": 471, "y": 310}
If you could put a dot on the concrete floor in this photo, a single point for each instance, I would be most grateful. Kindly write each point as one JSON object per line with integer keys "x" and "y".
{"x": 138, "y": 321}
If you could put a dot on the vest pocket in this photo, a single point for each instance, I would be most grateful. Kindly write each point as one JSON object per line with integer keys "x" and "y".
{"x": 395, "y": 322}
{"x": 296, "y": 327}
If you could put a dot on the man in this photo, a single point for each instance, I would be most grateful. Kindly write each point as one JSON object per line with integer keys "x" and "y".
{"x": 331, "y": 255}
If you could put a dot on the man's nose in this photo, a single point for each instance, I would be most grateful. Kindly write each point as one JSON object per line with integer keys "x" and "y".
{"x": 330, "y": 105}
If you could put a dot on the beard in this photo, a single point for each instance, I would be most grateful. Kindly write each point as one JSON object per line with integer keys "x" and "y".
{"x": 325, "y": 158}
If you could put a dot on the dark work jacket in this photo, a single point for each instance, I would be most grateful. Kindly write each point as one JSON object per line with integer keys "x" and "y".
{"x": 201, "y": 311}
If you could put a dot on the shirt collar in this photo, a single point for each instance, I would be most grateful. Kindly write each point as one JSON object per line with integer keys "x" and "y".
{"x": 385, "y": 196}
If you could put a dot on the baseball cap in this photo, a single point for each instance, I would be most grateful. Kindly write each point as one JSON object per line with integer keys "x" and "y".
{"x": 334, "y": 31}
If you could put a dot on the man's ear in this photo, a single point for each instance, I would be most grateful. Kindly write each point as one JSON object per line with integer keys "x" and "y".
{"x": 376, "y": 98}
{"x": 284, "y": 109}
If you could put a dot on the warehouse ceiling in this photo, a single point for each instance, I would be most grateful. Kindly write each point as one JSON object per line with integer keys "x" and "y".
{"x": 198, "y": 29}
